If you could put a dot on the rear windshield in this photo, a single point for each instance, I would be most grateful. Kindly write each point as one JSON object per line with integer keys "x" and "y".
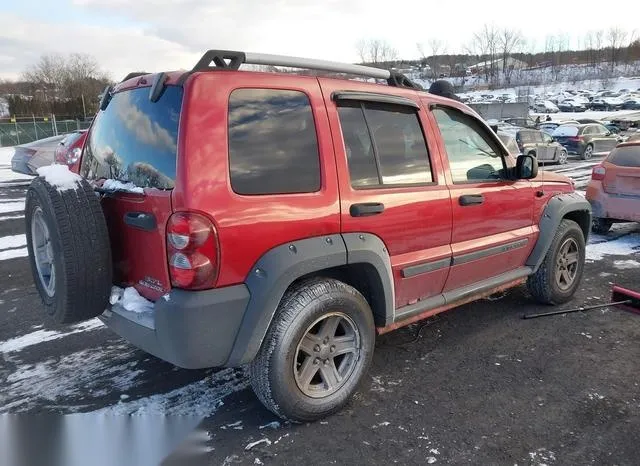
{"x": 135, "y": 140}
{"x": 625, "y": 156}
{"x": 565, "y": 130}
{"x": 70, "y": 139}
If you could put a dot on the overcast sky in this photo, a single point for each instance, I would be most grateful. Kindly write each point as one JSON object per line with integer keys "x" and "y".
{"x": 153, "y": 35}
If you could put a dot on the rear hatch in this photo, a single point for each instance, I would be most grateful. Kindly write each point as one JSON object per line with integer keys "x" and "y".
{"x": 622, "y": 171}
{"x": 567, "y": 135}
{"x": 131, "y": 151}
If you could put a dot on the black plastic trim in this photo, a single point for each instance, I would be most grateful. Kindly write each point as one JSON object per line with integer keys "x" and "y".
{"x": 414, "y": 270}
{"x": 557, "y": 208}
{"x": 190, "y": 329}
{"x": 398, "y": 79}
{"x": 366, "y": 209}
{"x": 472, "y": 256}
{"x": 373, "y": 97}
{"x": 219, "y": 59}
{"x": 268, "y": 280}
{"x": 485, "y": 285}
{"x": 417, "y": 308}
{"x": 158, "y": 87}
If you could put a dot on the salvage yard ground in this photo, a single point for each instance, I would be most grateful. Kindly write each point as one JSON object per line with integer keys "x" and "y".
{"x": 476, "y": 385}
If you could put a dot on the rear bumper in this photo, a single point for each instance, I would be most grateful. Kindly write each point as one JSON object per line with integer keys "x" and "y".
{"x": 190, "y": 329}
{"x": 613, "y": 206}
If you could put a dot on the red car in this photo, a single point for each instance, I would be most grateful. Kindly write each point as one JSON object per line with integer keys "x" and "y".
{"x": 69, "y": 150}
{"x": 281, "y": 221}
{"x": 614, "y": 189}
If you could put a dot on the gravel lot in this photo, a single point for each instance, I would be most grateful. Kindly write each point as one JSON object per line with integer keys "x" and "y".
{"x": 476, "y": 385}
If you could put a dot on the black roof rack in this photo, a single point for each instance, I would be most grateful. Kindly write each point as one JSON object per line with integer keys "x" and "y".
{"x": 231, "y": 60}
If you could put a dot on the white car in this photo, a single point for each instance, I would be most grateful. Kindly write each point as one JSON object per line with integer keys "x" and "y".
{"x": 545, "y": 106}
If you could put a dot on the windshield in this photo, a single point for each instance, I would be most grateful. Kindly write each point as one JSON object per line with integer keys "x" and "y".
{"x": 628, "y": 156}
{"x": 565, "y": 131}
{"x": 135, "y": 140}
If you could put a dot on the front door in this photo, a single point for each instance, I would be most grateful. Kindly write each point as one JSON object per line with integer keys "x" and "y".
{"x": 604, "y": 141}
{"x": 493, "y": 229}
{"x": 392, "y": 183}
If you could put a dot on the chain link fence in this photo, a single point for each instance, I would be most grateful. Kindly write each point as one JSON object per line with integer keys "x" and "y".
{"x": 21, "y": 130}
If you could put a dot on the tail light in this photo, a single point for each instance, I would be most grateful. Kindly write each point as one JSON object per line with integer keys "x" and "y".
{"x": 68, "y": 156}
{"x": 598, "y": 173}
{"x": 192, "y": 250}
{"x": 575, "y": 138}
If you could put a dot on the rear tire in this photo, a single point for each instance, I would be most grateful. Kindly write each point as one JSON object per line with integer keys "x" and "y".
{"x": 588, "y": 152}
{"x": 69, "y": 250}
{"x": 558, "y": 278}
{"x": 601, "y": 226}
{"x": 293, "y": 374}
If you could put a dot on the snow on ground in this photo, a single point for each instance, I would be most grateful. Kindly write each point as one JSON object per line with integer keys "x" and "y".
{"x": 40, "y": 336}
{"x": 592, "y": 114}
{"x": 11, "y": 206}
{"x": 200, "y": 398}
{"x": 628, "y": 245}
{"x": 12, "y": 246}
{"x": 7, "y": 177}
{"x": 13, "y": 253}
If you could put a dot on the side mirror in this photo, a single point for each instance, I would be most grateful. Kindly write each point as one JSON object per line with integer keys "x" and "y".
{"x": 526, "y": 167}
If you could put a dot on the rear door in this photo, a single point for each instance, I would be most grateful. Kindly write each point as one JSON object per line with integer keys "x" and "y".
{"x": 387, "y": 161}
{"x": 133, "y": 143}
{"x": 492, "y": 216}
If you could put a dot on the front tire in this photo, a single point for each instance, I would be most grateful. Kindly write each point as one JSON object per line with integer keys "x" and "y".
{"x": 317, "y": 350}
{"x": 601, "y": 226}
{"x": 558, "y": 278}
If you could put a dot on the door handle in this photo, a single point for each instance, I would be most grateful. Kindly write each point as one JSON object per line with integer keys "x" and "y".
{"x": 471, "y": 199}
{"x": 366, "y": 209}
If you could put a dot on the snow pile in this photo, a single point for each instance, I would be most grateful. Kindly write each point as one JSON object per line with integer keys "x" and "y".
{"x": 60, "y": 176}
{"x": 130, "y": 299}
{"x": 115, "y": 185}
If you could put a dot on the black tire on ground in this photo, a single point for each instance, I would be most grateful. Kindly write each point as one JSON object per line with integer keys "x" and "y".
{"x": 272, "y": 373}
{"x": 79, "y": 244}
{"x": 588, "y": 152}
{"x": 601, "y": 226}
{"x": 543, "y": 285}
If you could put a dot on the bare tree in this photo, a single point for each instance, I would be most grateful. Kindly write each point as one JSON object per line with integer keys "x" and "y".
{"x": 47, "y": 75}
{"x": 485, "y": 44}
{"x": 598, "y": 42}
{"x": 615, "y": 38}
{"x": 509, "y": 41}
{"x": 376, "y": 51}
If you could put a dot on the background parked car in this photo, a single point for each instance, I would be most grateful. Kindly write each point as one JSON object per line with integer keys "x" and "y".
{"x": 614, "y": 189}
{"x": 527, "y": 122}
{"x": 571, "y": 106}
{"x": 585, "y": 140}
{"x": 27, "y": 158}
{"x": 540, "y": 145}
{"x": 631, "y": 104}
{"x": 606, "y": 103}
{"x": 69, "y": 150}
{"x": 545, "y": 106}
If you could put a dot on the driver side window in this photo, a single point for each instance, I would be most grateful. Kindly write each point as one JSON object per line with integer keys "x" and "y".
{"x": 473, "y": 155}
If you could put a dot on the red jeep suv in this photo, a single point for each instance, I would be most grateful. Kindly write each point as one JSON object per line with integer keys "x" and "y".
{"x": 283, "y": 220}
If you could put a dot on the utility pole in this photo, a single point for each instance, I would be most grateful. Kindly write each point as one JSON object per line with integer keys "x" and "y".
{"x": 84, "y": 109}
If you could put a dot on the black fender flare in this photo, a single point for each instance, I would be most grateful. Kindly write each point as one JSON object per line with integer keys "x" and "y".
{"x": 279, "y": 267}
{"x": 558, "y": 208}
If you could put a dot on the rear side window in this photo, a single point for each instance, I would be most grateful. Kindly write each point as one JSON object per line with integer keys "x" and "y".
{"x": 384, "y": 145}
{"x": 526, "y": 137}
{"x": 625, "y": 156}
{"x": 273, "y": 148}
{"x": 135, "y": 140}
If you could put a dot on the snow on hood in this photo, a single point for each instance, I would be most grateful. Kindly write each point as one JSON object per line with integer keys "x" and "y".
{"x": 115, "y": 185}
{"x": 60, "y": 176}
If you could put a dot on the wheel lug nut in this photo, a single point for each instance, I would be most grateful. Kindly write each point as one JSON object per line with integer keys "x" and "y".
{"x": 316, "y": 348}
{"x": 316, "y": 361}
{"x": 326, "y": 340}
{"x": 326, "y": 362}
{"x": 332, "y": 348}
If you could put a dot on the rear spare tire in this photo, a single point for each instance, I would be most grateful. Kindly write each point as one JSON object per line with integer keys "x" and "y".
{"x": 69, "y": 251}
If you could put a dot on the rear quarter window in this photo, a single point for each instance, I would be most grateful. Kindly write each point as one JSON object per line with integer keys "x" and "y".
{"x": 273, "y": 147}
{"x": 625, "y": 156}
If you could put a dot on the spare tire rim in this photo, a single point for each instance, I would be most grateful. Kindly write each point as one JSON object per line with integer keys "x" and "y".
{"x": 43, "y": 252}
{"x": 567, "y": 264}
{"x": 327, "y": 355}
